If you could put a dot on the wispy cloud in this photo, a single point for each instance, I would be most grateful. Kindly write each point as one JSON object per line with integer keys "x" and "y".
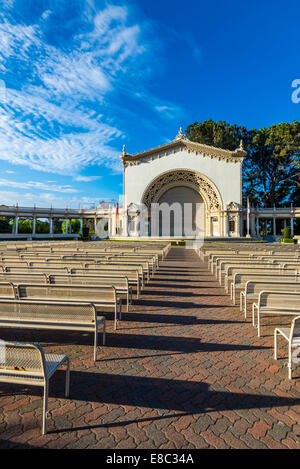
{"x": 67, "y": 189}
{"x": 87, "y": 178}
{"x": 46, "y": 199}
{"x": 52, "y": 121}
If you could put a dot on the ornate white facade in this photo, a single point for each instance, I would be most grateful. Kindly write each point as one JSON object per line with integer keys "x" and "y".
{"x": 215, "y": 174}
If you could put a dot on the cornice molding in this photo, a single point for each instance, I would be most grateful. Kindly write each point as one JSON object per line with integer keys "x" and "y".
{"x": 181, "y": 143}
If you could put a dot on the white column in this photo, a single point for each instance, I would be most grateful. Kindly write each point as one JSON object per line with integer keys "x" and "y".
{"x": 257, "y": 227}
{"x": 252, "y": 225}
{"x": 113, "y": 224}
{"x": 51, "y": 225}
{"x": 16, "y": 224}
{"x": 274, "y": 226}
{"x": 125, "y": 225}
{"x": 292, "y": 227}
{"x": 95, "y": 225}
{"x": 266, "y": 227}
{"x": 33, "y": 225}
{"x": 81, "y": 225}
{"x": 248, "y": 218}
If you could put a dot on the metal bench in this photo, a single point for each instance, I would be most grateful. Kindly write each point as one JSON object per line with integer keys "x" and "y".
{"x": 102, "y": 297}
{"x": 26, "y": 363}
{"x": 292, "y": 335}
{"x": 119, "y": 283}
{"x": 56, "y": 315}
{"x": 254, "y": 287}
{"x": 275, "y": 303}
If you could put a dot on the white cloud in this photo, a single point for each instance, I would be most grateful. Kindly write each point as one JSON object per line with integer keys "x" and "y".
{"x": 86, "y": 178}
{"x": 31, "y": 143}
{"x": 67, "y": 189}
{"x": 48, "y": 123}
{"x": 46, "y": 199}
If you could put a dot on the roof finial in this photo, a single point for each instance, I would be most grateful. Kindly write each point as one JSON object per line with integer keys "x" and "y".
{"x": 241, "y": 147}
{"x": 180, "y": 134}
{"x": 124, "y": 151}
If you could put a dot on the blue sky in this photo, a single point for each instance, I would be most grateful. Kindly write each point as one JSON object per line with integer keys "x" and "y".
{"x": 83, "y": 78}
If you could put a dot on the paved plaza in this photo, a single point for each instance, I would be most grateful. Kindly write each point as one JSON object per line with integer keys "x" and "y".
{"x": 183, "y": 371}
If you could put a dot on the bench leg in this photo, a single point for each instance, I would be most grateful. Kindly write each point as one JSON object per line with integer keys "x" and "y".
{"x": 45, "y": 407}
{"x": 253, "y": 314}
{"x": 116, "y": 316}
{"x": 275, "y": 344}
{"x": 104, "y": 331}
{"x": 290, "y": 361}
{"x": 258, "y": 322}
{"x": 67, "y": 388}
{"x": 95, "y": 342}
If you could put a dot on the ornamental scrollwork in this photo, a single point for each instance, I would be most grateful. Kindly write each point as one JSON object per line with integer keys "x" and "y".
{"x": 200, "y": 184}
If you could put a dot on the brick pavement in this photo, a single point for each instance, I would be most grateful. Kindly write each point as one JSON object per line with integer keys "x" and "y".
{"x": 183, "y": 371}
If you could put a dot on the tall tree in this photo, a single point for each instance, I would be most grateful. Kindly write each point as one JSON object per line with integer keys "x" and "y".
{"x": 271, "y": 165}
{"x": 270, "y": 172}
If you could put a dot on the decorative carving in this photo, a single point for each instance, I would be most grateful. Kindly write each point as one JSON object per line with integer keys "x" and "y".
{"x": 181, "y": 143}
{"x": 232, "y": 207}
{"x": 180, "y": 135}
{"x": 197, "y": 181}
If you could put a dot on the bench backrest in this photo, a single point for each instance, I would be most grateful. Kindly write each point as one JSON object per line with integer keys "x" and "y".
{"x": 241, "y": 278}
{"x": 295, "y": 328}
{"x": 55, "y": 265}
{"x": 23, "y": 277}
{"x": 7, "y": 290}
{"x": 110, "y": 267}
{"x": 256, "y": 286}
{"x": 117, "y": 282}
{"x": 231, "y": 270}
{"x": 20, "y": 359}
{"x": 279, "y": 299}
{"x": 49, "y": 311}
{"x": 91, "y": 294}
{"x": 37, "y": 270}
{"x": 106, "y": 273}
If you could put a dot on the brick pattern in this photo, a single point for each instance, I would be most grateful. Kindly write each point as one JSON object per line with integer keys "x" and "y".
{"x": 183, "y": 371}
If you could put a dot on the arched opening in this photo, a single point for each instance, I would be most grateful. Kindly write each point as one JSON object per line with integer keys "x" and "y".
{"x": 180, "y": 187}
{"x": 187, "y": 203}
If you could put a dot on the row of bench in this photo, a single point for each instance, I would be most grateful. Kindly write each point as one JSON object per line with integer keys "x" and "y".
{"x": 270, "y": 280}
{"x": 69, "y": 291}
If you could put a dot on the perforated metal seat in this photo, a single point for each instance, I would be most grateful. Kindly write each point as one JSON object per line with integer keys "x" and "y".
{"x": 26, "y": 363}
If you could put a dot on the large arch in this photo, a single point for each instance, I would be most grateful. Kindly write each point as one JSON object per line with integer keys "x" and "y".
{"x": 157, "y": 191}
{"x": 187, "y": 178}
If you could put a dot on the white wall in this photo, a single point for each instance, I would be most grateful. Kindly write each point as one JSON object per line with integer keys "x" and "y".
{"x": 226, "y": 176}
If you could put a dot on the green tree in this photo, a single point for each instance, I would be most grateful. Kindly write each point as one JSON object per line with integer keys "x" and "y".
{"x": 219, "y": 134}
{"x": 24, "y": 226}
{"x": 75, "y": 226}
{"x": 271, "y": 165}
{"x": 5, "y": 225}
{"x": 270, "y": 172}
